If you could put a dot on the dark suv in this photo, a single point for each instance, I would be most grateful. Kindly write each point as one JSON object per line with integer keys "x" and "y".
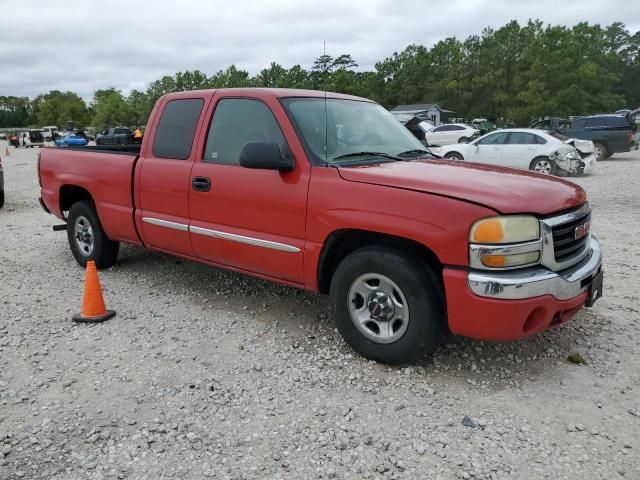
{"x": 115, "y": 136}
{"x": 612, "y": 133}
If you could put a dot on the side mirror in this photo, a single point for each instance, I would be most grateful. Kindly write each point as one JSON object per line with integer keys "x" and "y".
{"x": 265, "y": 156}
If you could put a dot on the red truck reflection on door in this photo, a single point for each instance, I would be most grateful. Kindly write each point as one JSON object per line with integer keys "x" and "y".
{"x": 330, "y": 193}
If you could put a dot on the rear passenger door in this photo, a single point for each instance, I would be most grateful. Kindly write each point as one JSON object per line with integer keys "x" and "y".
{"x": 520, "y": 149}
{"x": 163, "y": 176}
{"x": 248, "y": 219}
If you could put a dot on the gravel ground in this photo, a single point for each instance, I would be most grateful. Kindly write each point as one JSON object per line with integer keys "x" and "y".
{"x": 206, "y": 373}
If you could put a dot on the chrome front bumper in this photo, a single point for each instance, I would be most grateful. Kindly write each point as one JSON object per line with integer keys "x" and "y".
{"x": 538, "y": 281}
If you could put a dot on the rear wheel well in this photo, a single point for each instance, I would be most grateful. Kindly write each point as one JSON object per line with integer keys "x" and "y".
{"x": 454, "y": 154}
{"x": 70, "y": 194}
{"x": 342, "y": 242}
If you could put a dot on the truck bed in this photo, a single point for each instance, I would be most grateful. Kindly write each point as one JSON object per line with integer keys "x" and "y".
{"x": 106, "y": 173}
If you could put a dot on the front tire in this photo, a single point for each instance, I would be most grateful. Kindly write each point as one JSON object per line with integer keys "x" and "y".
{"x": 543, "y": 165}
{"x": 463, "y": 140}
{"x": 87, "y": 239}
{"x": 387, "y": 305}
{"x": 453, "y": 156}
{"x": 601, "y": 151}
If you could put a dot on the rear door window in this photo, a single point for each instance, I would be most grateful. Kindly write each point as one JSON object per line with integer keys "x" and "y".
{"x": 522, "y": 138}
{"x": 176, "y": 128}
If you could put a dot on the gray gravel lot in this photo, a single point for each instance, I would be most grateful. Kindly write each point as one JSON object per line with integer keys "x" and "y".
{"x": 210, "y": 374}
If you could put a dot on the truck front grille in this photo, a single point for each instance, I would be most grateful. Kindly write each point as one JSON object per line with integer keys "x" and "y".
{"x": 565, "y": 245}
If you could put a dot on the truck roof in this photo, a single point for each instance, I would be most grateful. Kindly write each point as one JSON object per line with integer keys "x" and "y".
{"x": 268, "y": 92}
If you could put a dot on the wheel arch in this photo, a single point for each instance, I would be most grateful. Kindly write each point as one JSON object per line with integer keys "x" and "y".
{"x": 70, "y": 194}
{"x": 453, "y": 152}
{"x": 341, "y": 243}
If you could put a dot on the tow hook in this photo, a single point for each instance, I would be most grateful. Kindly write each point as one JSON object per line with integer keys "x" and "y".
{"x": 60, "y": 228}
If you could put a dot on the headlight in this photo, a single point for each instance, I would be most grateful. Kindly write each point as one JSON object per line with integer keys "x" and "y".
{"x": 505, "y": 242}
{"x": 573, "y": 155}
{"x": 505, "y": 229}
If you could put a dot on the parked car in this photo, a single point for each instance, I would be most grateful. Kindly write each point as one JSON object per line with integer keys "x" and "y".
{"x": 36, "y": 137}
{"x": 419, "y": 128}
{"x": 50, "y": 133}
{"x": 527, "y": 149}
{"x": 330, "y": 193}
{"x": 23, "y": 139}
{"x": 3, "y": 136}
{"x": 451, "y": 133}
{"x": 72, "y": 140}
{"x": 1, "y": 185}
{"x": 609, "y": 133}
{"x": 115, "y": 136}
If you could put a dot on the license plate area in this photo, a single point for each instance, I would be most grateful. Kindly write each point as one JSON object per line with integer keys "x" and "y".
{"x": 595, "y": 289}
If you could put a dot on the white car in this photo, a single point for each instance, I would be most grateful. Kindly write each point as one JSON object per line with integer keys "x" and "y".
{"x": 451, "y": 133}
{"x": 525, "y": 148}
{"x": 50, "y": 133}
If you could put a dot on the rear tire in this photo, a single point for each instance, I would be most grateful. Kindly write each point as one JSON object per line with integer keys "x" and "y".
{"x": 453, "y": 156}
{"x": 87, "y": 239}
{"x": 387, "y": 304}
{"x": 543, "y": 165}
{"x": 601, "y": 151}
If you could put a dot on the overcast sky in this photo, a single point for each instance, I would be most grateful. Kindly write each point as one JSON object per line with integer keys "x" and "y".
{"x": 84, "y": 46}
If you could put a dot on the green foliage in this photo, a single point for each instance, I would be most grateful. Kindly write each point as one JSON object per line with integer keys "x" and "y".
{"x": 57, "y": 108}
{"x": 14, "y": 111}
{"x": 520, "y": 72}
{"x": 111, "y": 109}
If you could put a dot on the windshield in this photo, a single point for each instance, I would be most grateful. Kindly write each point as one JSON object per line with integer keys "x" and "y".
{"x": 334, "y": 130}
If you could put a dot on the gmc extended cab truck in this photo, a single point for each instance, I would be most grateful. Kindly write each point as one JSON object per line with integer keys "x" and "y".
{"x": 331, "y": 193}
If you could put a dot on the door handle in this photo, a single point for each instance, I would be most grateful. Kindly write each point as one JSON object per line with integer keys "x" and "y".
{"x": 201, "y": 184}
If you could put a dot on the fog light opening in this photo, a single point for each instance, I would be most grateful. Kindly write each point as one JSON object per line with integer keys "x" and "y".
{"x": 535, "y": 320}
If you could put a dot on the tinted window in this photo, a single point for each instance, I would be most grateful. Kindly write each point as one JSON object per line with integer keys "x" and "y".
{"x": 596, "y": 122}
{"x": 578, "y": 124}
{"x": 542, "y": 141}
{"x": 456, "y": 127}
{"x": 444, "y": 128}
{"x": 176, "y": 128}
{"x": 616, "y": 122}
{"x": 122, "y": 131}
{"x": 494, "y": 139}
{"x": 236, "y": 122}
{"x": 522, "y": 138}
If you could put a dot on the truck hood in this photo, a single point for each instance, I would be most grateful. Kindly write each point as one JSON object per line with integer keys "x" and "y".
{"x": 503, "y": 189}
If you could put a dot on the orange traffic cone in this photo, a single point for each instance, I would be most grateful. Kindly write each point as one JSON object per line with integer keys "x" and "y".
{"x": 93, "y": 309}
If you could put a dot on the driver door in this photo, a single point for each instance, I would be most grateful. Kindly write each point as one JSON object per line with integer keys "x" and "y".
{"x": 488, "y": 149}
{"x": 249, "y": 219}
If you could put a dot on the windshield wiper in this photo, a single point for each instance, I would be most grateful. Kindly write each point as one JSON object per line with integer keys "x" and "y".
{"x": 371, "y": 154}
{"x": 417, "y": 152}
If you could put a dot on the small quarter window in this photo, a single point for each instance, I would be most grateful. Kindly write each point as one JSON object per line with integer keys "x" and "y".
{"x": 176, "y": 128}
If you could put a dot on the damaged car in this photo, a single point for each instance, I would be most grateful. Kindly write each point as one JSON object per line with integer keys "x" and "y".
{"x": 527, "y": 149}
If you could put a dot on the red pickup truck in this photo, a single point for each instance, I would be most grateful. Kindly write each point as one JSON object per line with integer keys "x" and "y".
{"x": 331, "y": 193}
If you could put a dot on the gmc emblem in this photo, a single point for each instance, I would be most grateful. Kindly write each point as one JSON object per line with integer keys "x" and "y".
{"x": 582, "y": 230}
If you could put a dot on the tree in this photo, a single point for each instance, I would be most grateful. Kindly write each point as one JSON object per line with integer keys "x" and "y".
{"x": 111, "y": 109}
{"x": 15, "y": 111}
{"x": 58, "y": 108}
